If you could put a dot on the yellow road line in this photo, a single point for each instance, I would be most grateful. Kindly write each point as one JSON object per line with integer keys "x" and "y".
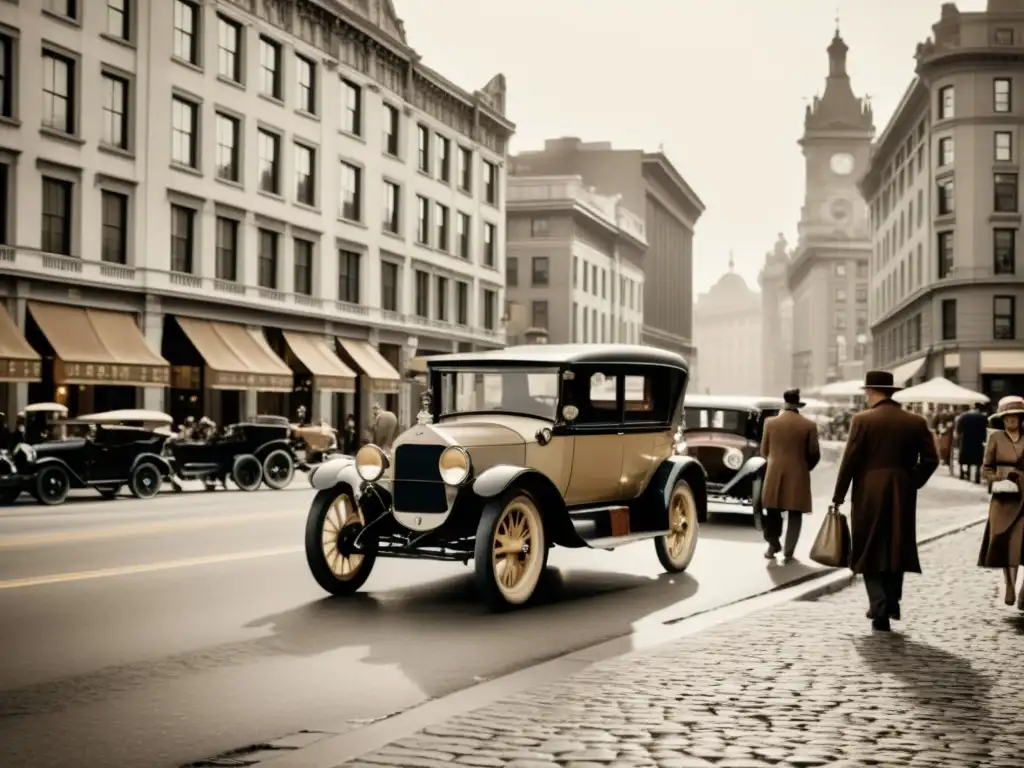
{"x": 129, "y": 570}
{"x": 142, "y": 529}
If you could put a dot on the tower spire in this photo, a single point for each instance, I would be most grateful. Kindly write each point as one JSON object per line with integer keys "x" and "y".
{"x": 732, "y": 262}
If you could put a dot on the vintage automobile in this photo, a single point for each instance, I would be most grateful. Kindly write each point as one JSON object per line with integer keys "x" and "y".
{"x": 724, "y": 434}
{"x": 44, "y": 421}
{"x": 314, "y": 443}
{"x": 525, "y": 448}
{"x": 250, "y": 454}
{"x": 109, "y": 456}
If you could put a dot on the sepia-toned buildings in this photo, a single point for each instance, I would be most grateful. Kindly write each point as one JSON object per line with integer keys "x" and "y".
{"x": 727, "y": 331}
{"x": 827, "y": 276}
{"x": 574, "y": 265}
{"x": 776, "y": 321}
{"x": 240, "y": 183}
{"x": 649, "y": 184}
{"x": 947, "y": 288}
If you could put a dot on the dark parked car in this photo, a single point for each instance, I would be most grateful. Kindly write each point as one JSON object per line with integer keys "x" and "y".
{"x": 251, "y": 453}
{"x": 724, "y": 434}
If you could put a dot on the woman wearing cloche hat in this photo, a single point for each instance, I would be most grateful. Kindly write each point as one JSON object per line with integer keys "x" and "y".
{"x": 1003, "y": 543}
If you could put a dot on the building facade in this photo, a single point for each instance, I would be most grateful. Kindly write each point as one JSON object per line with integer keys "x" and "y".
{"x": 647, "y": 182}
{"x": 827, "y": 276}
{"x": 259, "y": 180}
{"x": 574, "y": 263}
{"x": 776, "y": 320}
{"x": 947, "y": 282}
{"x": 727, "y": 331}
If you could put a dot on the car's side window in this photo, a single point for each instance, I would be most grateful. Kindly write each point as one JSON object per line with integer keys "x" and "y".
{"x": 647, "y": 398}
{"x": 596, "y": 394}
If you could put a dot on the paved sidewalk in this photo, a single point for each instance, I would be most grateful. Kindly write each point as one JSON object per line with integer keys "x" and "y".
{"x": 805, "y": 684}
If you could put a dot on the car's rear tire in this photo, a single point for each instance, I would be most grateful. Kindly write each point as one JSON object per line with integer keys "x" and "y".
{"x": 676, "y": 549}
{"x": 52, "y": 486}
{"x": 247, "y": 472}
{"x": 332, "y": 525}
{"x": 511, "y": 550}
{"x": 278, "y": 469}
{"x": 8, "y": 496}
{"x": 755, "y": 494}
{"x": 145, "y": 481}
{"x": 108, "y": 491}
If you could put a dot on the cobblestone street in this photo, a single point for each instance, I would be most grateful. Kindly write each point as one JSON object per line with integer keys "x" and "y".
{"x": 806, "y": 684}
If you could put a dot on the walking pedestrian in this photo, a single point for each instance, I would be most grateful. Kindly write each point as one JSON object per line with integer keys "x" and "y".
{"x": 790, "y": 444}
{"x": 971, "y": 433}
{"x": 385, "y": 427}
{"x": 889, "y": 456}
{"x": 1002, "y": 545}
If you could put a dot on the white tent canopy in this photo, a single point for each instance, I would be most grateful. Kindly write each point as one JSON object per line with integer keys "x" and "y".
{"x": 841, "y": 389}
{"x": 939, "y": 391}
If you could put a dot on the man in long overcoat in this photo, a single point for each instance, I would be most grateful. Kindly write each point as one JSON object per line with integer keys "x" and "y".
{"x": 889, "y": 456}
{"x": 971, "y": 437}
{"x": 790, "y": 444}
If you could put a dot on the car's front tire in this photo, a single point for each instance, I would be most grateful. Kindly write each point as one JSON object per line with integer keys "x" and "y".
{"x": 511, "y": 550}
{"x": 332, "y": 526}
{"x": 278, "y": 469}
{"x": 145, "y": 481}
{"x": 247, "y": 472}
{"x": 676, "y": 549}
{"x": 52, "y": 486}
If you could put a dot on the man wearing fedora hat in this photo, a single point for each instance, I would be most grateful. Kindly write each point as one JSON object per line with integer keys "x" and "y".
{"x": 790, "y": 444}
{"x": 889, "y": 456}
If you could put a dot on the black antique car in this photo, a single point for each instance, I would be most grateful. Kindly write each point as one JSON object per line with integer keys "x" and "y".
{"x": 724, "y": 434}
{"x": 251, "y": 453}
{"x": 108, "y": 455}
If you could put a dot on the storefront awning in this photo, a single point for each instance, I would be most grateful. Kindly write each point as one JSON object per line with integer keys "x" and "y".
{"x": 371, "y": 364}
{"x": 236, "y": 358}
{"x": 18, "y": 361}
{"x": 96, "y": 346}
{"x": 1005, "y": 361}
{"x": 329, "y": 373}
{"x": 901, "y": 374}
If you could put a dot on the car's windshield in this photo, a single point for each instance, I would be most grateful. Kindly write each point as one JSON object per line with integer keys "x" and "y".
{"x": 739, "y": 422}
{"x": 524, "y": 391}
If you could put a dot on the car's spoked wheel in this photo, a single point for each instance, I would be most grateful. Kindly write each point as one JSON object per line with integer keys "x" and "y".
{"x": 247, "y": 473}
{"x": 52, "y": 486}
{"x": 278, "y": 469}
{"x": 145, "y": 481}
{"x": 676, "y": 548}
{"x": 511, "y": 551}
{"x": 334, "y": 523}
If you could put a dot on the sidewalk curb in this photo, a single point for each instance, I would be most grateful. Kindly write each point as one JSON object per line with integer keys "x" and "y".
{"x": 336, "y": 747}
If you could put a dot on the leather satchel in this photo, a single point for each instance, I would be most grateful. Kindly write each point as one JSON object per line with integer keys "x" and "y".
{"x": 832, "y": 545}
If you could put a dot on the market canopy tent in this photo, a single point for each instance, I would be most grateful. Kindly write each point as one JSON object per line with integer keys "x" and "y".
{"x": 841, "y": 389}
{"x": 939, "y": 391}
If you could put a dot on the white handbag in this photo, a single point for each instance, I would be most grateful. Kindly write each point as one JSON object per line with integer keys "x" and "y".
{"x": 1005, "y": 488}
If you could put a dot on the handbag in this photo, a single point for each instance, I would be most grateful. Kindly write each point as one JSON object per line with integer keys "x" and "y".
{"x": 832, "y": 545}
{"x": 1005, "y": 489}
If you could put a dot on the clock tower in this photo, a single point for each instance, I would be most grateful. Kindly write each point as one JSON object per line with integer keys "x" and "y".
{"x": 827, "y": 275}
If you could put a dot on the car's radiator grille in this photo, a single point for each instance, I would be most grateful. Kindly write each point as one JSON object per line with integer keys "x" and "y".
{"x": 418, "y": 485}
{"x": 711, "y": 458}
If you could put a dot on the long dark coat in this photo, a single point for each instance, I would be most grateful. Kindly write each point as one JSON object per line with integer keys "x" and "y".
{"x": 971, "y": 434}
{"x": 1002, "y": 545}
{"x": 890, "y": 454}
{"x": 790, "y": 443}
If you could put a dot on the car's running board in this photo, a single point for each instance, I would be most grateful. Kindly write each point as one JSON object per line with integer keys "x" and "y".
{"x": 608, "y": 525}
{"x": 620, "y": 541}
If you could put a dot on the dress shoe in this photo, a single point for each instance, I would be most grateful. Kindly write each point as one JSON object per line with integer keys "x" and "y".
{"x": 772, "y": 551}
{"x": 893, "y": 615}
{"x": 880, "y": 625}
{"x": 788, "y": 559}
{"x": 1011, "y": 595}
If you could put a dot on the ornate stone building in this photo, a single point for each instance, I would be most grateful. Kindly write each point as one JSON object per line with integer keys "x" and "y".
{"x": 776, "y": 321}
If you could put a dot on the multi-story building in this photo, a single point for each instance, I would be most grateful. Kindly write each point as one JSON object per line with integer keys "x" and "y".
{"x": 252, "y": 182}
{"x": 647, "y": 182}
{"x": 943, "y": 186}
{"x": 727, "y": 331}
{"x": 776, "y": 321}
{"x": 827, "y": 276}
{"x": 574, "y": 262}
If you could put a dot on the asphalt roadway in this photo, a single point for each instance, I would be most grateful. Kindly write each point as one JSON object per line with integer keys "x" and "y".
{"x": 154, "y": 634}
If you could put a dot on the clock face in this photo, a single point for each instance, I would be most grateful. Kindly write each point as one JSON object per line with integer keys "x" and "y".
{"x": 842, "y": 163}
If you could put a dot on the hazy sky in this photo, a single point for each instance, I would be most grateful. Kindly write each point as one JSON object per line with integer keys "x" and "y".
{"x": 722, "y": 84}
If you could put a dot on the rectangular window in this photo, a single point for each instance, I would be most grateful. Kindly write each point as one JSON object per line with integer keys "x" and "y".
{"x": 423, "y": 148}
{"x": 1003, "y": 147}
{"x": 491, "y": 183}
{"x": 389, "y": 286}
{"x": 66, "y": 8}
{"x": 392, "y": 121}
{"x": 57, "y": 216}
{"x": 441, "y": 299}
{"x": 268, "y": 258}
{"x": 349, "y": 263}
{"x": 305, "y": 174}
{"x": 184, "y": 133}
{"x": 1004, "y": 317}
{"x": 444, "y": 158}
{"x": 303, "y": 271}
{"x": 422, "y": 294}
{"x": 268, "y": 151}
{"x": 465, "y": 169}
{"x": 229, "y": 49}
{"x": 392, "y": 207}
{"x": 1003, "y": 36}
{"x": 7, "y": 76}
{"x": 183, "y": 231}
{"x": 946, "y": 197}
{"x": 270, "y": 68}
{"x": 443, "y": 227}
{"x": 946, "y": 151}
{"x": 1002, "y": 99}
{"x": 114, "y": 249}
{"x": 118, "y": 19}
{"x": 5, "y": 203}
{"x": 422, "y": 220}
{"x": 947, "y": 103}
{"x": 115, "y": 112}
{"x": 226, "y": 265}
{"x": 490, "y": 299}
{"x": 1005, "y": 192}
{"x": 306, "y": 77}
{"x": 539, "y": 314}
{"x": 351, "y": 108}
{"x": 490, "y": 243}
{"x": 462, "y": 303}
{"x": 186, "y": 31}
{"x": 945, "y": 253}
{"x": 465, "y": 227}
{"x": 1004, "y": 249}
{"x": 58, "y": 93}
{"x": 576, "y": 273}
{"x": 540, "y": 228}
{"x": 540, "y": 275}
{"x": 351, "y": 192}
{"x": 228, "y": 150}
{"x": 511, "y": 272}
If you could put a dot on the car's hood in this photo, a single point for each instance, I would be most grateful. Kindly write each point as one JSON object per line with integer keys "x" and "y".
{"x": 60, "y": 446}
{"x": 489, "y": 429}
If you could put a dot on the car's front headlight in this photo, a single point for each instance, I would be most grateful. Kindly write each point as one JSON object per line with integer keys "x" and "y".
{"x": 455, "y": 465}
{"x": 371, "y": 462}
{"x": 733, "y": 458}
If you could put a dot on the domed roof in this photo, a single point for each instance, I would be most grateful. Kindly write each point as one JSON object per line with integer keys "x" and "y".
{"x": 730, "y": 290}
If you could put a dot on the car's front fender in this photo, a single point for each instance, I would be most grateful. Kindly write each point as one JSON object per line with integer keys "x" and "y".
{"x": 338, "y": 471}
{"x": 52, "y": 461}
{"x": 668, "y": 473}
{"x": 746, "y": 475}
{"x": 151, "y": 458}
{"x": 494, "y": 481}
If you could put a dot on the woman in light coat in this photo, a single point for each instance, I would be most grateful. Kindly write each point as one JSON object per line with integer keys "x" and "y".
{"x": 1003, "y": 543}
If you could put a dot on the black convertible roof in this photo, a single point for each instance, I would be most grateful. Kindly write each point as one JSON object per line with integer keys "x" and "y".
{"x": 562, "y": 354}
